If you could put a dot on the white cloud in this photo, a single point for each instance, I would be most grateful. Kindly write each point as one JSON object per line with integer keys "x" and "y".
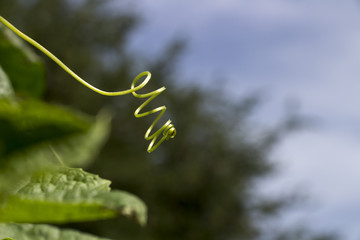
{"x": 327, "y": 166}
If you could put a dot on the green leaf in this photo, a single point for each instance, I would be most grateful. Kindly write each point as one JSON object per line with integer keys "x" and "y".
{"x": 27, "y": 123}
{"x": 70, "y": 195}
{"x": 24, "y": 68}
{"x": 81, "y": 149}
{"x": 6, "y": 90}
{"x": 35, "y": 137}
{"x": 41, "y": 232}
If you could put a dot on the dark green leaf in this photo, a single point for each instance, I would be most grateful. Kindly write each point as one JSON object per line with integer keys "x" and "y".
{"x": 27, "y": 123}
{"x": 74, "y": 145}
{"x": 23, "y": 67}
{"x": 6, "y": 90}
{"x": 41, "y": 232}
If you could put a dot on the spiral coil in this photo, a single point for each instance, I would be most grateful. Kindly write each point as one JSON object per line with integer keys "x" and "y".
{"x": 167, "y": 129}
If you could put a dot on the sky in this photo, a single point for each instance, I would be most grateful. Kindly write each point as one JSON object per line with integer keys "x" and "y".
{"x": 305, "y": 51}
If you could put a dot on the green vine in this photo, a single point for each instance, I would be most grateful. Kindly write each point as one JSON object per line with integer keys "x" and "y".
{"x": 167, "y": 129}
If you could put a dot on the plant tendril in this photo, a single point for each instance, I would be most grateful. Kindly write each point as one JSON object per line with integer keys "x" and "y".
{"x": 167, "y": 129}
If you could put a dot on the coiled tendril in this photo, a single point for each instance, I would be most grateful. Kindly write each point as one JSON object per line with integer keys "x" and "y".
{"x": 167, "y": 129}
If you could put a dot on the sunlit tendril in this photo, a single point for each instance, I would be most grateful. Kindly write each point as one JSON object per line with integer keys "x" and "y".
{"x": 167, "y": 129}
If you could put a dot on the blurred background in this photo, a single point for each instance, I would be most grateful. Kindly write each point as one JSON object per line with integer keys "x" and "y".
{"x": 263, "y": 95}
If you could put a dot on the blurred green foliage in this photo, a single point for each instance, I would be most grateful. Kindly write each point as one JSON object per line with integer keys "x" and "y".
{"x": 18, "y": 61}
{"x": 198, "y": 186}
{"x": 39, "y": 143}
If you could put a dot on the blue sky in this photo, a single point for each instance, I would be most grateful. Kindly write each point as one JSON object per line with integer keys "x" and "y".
{"x": 306, "y": 50}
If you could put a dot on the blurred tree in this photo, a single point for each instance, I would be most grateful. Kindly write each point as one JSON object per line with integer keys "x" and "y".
{"x": 199, "y": 186}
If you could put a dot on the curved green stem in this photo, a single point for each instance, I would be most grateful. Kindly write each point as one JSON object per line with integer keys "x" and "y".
{"x": 167, "y": 129}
